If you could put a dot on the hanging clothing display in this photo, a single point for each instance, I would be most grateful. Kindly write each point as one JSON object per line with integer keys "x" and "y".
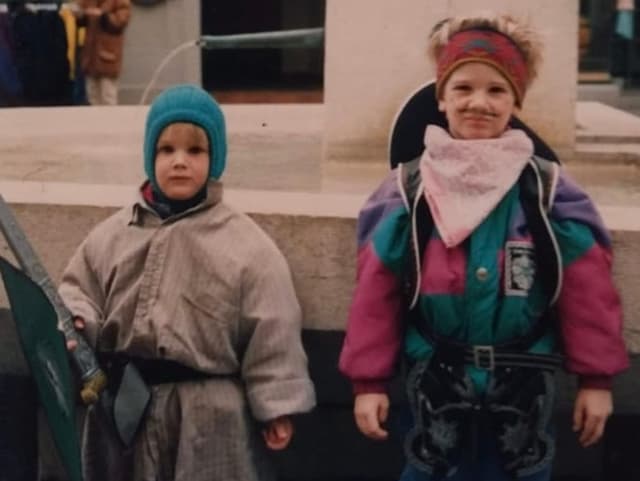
{"x": 625, "y": 50}
{"x": 10, "y": 87}
{"x": 40, "y": 46}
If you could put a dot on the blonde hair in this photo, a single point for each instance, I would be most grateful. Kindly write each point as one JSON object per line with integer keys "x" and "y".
{"x": 521, "y": 34}
{"x": 195, "y": 133}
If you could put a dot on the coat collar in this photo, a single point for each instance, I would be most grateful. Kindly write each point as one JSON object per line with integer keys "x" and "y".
{"x": 141, "y": 211}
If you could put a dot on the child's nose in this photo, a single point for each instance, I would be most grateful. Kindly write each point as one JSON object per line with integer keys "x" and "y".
{"x": 179, "y": 158}
{"x": 478, "y": 99}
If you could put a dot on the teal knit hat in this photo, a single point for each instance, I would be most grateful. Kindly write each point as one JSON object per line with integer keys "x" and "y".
{"x": 186, "y": 103}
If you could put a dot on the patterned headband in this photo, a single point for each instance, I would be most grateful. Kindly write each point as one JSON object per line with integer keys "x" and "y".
{"x": 486, "y": 46}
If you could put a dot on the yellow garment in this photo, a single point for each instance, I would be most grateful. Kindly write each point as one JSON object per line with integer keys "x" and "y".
{"x": 71, "y": 28}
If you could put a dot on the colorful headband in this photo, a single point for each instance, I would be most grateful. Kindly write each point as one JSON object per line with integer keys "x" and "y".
{"x": 486, "y": 46}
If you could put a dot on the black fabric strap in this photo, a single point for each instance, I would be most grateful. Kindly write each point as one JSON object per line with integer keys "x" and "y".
{"x": 424, "y": 223}
{"x": 547, "y": 260}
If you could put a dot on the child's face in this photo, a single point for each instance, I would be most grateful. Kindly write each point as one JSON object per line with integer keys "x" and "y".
{"x": 478, "y": 102}
{"x": 182, "y": 160}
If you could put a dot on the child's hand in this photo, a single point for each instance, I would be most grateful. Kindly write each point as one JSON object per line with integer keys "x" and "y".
{"x": 590, "y": 413}
{"x": 370, "y": 411}
{"x": 278, "y": 433}
{"x": 92, "y": 12}
{"x": 79, "y": 324}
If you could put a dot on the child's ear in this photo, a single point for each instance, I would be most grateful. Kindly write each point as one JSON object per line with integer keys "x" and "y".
{"x": 441, "y": 106}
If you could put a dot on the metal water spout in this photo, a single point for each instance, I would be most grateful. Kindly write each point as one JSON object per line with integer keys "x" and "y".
{"x": 299, "y": 38}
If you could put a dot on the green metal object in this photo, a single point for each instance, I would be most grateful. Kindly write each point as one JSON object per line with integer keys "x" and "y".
{"x": 301, "y": 38}
{"x": 45, "y": 351}
{"x": 93, "y": 378}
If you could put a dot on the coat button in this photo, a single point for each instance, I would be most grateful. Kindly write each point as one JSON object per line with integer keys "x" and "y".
{"x": 482, "y": 274}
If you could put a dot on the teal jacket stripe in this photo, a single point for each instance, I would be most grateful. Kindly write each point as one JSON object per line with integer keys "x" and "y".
{"x": 574, "y": 240}
{"x": 391, "y": 240}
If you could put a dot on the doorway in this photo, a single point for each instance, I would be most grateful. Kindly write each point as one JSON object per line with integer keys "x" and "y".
{"x": 262, "y": 74}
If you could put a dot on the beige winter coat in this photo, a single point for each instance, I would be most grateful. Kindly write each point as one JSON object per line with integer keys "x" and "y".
{"x": 210, "y": 290}
{"x": 104, "y": 41}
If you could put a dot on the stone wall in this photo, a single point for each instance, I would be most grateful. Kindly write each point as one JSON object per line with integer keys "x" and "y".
{"x": 319, "y": 245}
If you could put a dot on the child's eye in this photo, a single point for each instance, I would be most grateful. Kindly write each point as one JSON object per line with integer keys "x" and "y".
{"x": 462, "y": 88}
{"x": 165, "y": 149}
{"x": 195, "y": 150}
{"x": 497, "y": 90}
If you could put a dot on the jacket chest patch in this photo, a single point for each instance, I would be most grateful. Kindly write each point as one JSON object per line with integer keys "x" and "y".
{"x": 519, "y": 268}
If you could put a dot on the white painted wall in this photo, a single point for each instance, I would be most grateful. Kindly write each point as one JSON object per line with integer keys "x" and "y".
{"x": 152, "y": 33}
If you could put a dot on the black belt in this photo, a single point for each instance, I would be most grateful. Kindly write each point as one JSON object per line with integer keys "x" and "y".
{"x": 513, "y": 353}
{"x": 488, "y": 358}
{"x": 156, "y": 371}
{"x": 163, "y": 371}
{"x": 491, "y": 357}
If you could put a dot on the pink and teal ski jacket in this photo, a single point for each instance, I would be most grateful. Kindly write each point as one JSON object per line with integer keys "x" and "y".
{"x": 483, "y": 291}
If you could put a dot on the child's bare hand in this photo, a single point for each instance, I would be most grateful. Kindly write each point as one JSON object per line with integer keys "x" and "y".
{"x": 370, "y": 411}
{"x": 278, "y": 433}
{"x": 92, "y": 12}
{"x": 590, "y": 413}
{"x": 79, "y": 324}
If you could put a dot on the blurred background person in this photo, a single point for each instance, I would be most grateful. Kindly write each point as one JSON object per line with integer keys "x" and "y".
{"x": 101, "y": 62}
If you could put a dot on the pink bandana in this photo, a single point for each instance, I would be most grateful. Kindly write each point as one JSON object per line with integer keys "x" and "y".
{"x": 464, "y": 180}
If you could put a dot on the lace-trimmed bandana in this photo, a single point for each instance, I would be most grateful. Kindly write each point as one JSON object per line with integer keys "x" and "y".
{"x": 465, "y": 179}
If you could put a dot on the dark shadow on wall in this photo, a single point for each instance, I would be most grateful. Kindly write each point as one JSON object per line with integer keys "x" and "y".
{"x": 327, "y": 445}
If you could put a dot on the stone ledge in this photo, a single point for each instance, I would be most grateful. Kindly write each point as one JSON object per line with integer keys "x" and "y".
{"x": 312, "y": 204}
{"x": 598, "y": 122}
{"x": 611, "y": 152}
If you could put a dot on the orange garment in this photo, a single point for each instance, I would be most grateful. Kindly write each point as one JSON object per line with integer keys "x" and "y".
{"x": 104, "y": 43}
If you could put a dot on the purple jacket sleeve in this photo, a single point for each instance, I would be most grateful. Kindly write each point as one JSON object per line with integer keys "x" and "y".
{"x": 589, "y": 306}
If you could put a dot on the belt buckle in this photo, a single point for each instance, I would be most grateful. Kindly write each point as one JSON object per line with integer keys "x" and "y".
{"x": 484, "y": 358}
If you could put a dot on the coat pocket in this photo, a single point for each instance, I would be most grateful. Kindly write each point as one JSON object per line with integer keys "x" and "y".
{"x": 106, "y": 55}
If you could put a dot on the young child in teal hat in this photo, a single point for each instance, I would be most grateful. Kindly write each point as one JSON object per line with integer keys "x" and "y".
{"x": 198, "y": 297}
